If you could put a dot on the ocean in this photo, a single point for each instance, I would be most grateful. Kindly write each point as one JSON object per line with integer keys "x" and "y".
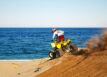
{"x": 34, "y": 43}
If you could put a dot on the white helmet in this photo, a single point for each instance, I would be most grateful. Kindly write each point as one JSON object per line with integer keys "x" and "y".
{"x": 54, "y": 29}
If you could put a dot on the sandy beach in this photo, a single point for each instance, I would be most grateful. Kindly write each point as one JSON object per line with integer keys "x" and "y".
{"x": 26, "y": 68}
{"x": 21, "y": 68}
{"x": 82, "y": 65}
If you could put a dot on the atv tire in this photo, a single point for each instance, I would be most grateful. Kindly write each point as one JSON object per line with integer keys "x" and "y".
{"x": 52, "y": 55}
{"x": 73, "y": 49}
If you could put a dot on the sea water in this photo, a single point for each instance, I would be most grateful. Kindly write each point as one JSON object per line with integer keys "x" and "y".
{"x": 33, "y": 43}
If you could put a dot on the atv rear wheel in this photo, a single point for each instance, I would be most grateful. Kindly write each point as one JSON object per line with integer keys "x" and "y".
{"x": 73, "y": 49}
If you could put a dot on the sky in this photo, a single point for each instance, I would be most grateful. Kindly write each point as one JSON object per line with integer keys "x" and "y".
{"x": 53, "y": 13}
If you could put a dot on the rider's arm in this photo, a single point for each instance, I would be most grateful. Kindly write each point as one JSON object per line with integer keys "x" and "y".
{"x": 54, "y": 35}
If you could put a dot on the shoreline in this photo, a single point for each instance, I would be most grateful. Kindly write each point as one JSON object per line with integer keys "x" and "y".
{"x": 23, "y": 59}
{"x": 28, "y": 67}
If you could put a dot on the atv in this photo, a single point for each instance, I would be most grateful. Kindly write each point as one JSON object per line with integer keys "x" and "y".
{"x": 59, "y": 48}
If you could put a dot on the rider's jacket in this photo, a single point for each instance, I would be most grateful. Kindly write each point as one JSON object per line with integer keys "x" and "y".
{"x": 58, "y": 33}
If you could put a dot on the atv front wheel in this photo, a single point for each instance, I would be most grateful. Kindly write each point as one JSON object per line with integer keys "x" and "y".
{"x": 52, "y": 55}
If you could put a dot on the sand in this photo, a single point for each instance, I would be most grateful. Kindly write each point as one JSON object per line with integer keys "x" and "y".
{"x": 26, "y": 68}
{"x": 18, "y": 68}
{"x": 83, "y": 65}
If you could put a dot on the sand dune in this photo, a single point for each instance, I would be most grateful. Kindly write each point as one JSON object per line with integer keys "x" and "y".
{"x": 91, "y": 65}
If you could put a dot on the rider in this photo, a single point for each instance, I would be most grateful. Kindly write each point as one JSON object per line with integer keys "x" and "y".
{"x": 58, "y": 35}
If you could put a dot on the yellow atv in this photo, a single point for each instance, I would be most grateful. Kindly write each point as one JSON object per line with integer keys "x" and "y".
{"x": 59, "y": 48}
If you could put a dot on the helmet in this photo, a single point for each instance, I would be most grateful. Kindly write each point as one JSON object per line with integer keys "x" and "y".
{"x": 54, "y": 29}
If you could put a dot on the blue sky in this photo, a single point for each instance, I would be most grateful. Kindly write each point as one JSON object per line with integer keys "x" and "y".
{"x": 50, "y": 13}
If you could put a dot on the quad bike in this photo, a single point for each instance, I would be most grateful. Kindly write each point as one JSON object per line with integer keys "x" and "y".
{"x": 59, "y": 48}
